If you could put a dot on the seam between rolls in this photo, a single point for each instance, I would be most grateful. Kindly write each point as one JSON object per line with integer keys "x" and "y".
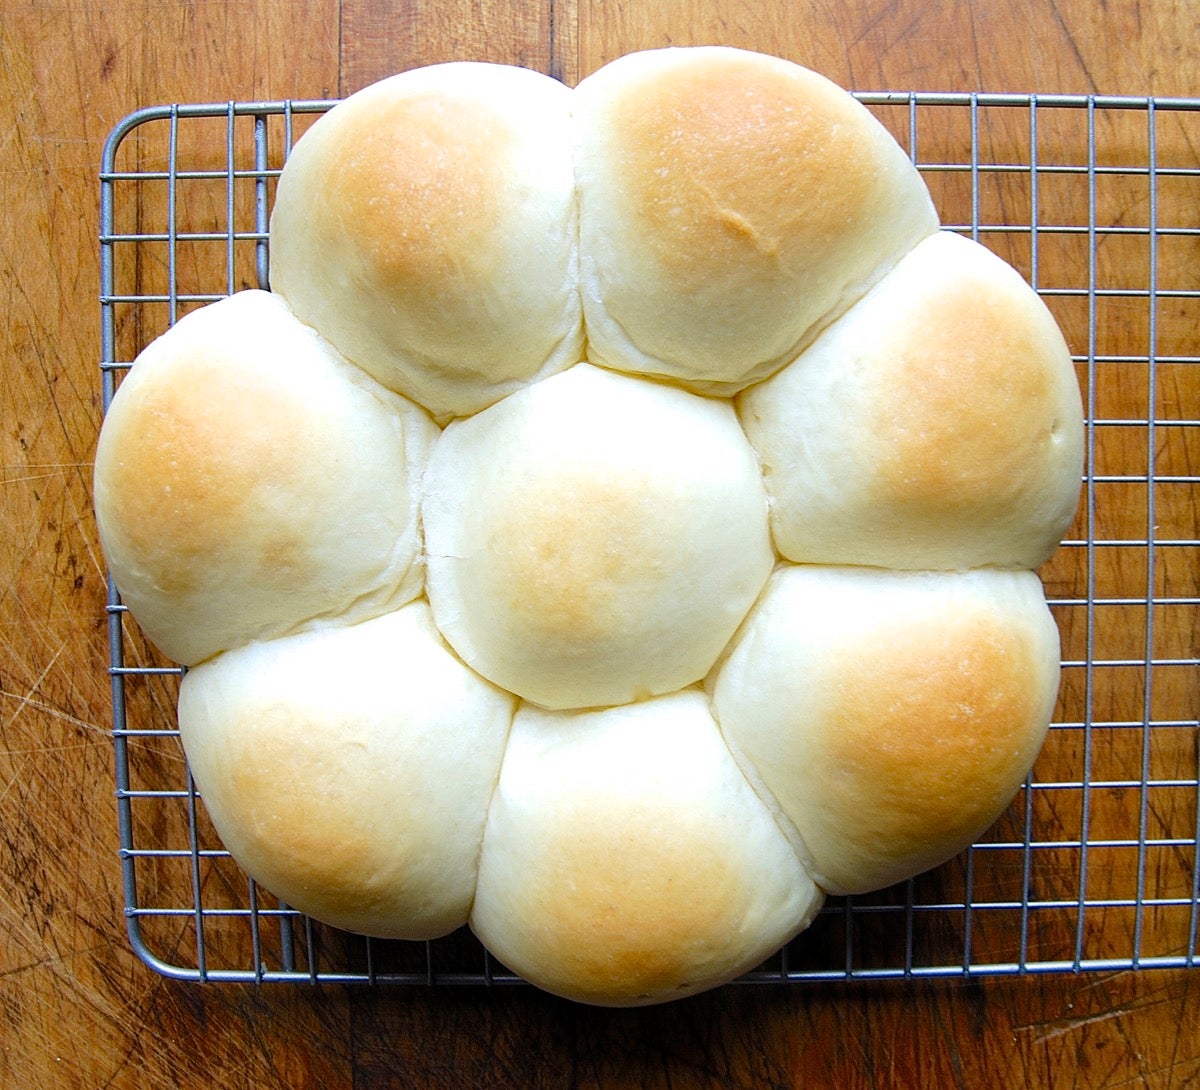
{"x": 487, "y": 810}
{"x": 787, "y": 828}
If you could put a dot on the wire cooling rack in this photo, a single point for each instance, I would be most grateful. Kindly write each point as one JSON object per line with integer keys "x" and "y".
{"x": 1096, "y": 864}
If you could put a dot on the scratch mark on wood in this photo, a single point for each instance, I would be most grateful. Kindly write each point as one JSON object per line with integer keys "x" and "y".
{"x": 25, "y": 701}
{"x": 1070, "y": 1025}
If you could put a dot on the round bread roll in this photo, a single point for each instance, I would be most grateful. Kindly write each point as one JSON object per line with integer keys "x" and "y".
{"x": 730, "y": 204}
{"x": 249, "y": 481}
{"x": 349, "y": 770}
{"x": 595, "y": 538}
{"x": 627, "y": 861}
{"x": 891, "y": 716}
{"x": 938, "y": 424}
{"x": 426, "y": 226}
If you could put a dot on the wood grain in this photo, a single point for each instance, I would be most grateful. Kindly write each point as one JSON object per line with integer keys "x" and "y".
{"x": 379, "y": 40}
{"x": 1044, "y": 46}
{"x": 77, "y": 1009}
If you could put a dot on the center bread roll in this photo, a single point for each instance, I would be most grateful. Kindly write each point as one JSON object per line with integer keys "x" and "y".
{"x": 595, "y": 538}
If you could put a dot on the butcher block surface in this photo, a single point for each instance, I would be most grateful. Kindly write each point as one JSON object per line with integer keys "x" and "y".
{"x": 78, "y": 1008}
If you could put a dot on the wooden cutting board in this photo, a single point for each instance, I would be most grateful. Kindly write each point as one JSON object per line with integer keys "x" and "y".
{"x": 76, "y": 1007}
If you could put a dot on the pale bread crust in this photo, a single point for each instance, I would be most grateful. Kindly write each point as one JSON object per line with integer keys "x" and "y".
{"x": 349, "y": 770}
{"x": 730, "y": 205}
{"x": 595, "y": 539}
{"x": 249, "y": 481}
{"x": 892, "y": 716}
{"x": 938, "y": 424}
{"x": 626, "y": 860}
{"x": 426, "y": 226}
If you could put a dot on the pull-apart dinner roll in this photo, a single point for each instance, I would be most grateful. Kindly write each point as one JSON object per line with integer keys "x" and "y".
{"x": 937, "y": 425}
{"x": 349, "y": 770}
{"x": 730, "y": 204}
{"x": 248, "y": 481}
{"x": 595, "y": 538}
{"x": 426, "y": 226}
{"x": 891, "y": 715}
{"x": 626, "y": 860}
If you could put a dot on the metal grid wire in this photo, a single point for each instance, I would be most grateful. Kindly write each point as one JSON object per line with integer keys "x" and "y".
{"x": 1096, "y": 865}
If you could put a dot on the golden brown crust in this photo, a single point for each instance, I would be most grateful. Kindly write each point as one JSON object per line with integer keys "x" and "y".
{"x": 970, "y": 398}
{"x": 195, "y": 451}
{"x": 416, "y": 191}
{"x": 756, "y": 167}
{"x": 290, "y": 786}
{"x": 644, "y": 909}
{"x": 578, "y": 562}
{"x": 928, "y": 732}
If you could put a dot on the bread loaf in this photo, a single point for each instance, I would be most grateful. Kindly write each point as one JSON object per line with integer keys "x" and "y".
{"x": 616, "y": 531}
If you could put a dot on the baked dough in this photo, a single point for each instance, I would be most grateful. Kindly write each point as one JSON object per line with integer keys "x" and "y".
{"x": 627, "y": 860}
{"x": 335, "y": 767}
{"x": 730, "y": 205}
{"x": 892, "y": 715}
{"x": 250, "y": 481}
{"x": 935, "y": 425}
{"x": 616, "y": 532}
{"x": 427, "y": 227}
{"x": 595, "y": 539}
